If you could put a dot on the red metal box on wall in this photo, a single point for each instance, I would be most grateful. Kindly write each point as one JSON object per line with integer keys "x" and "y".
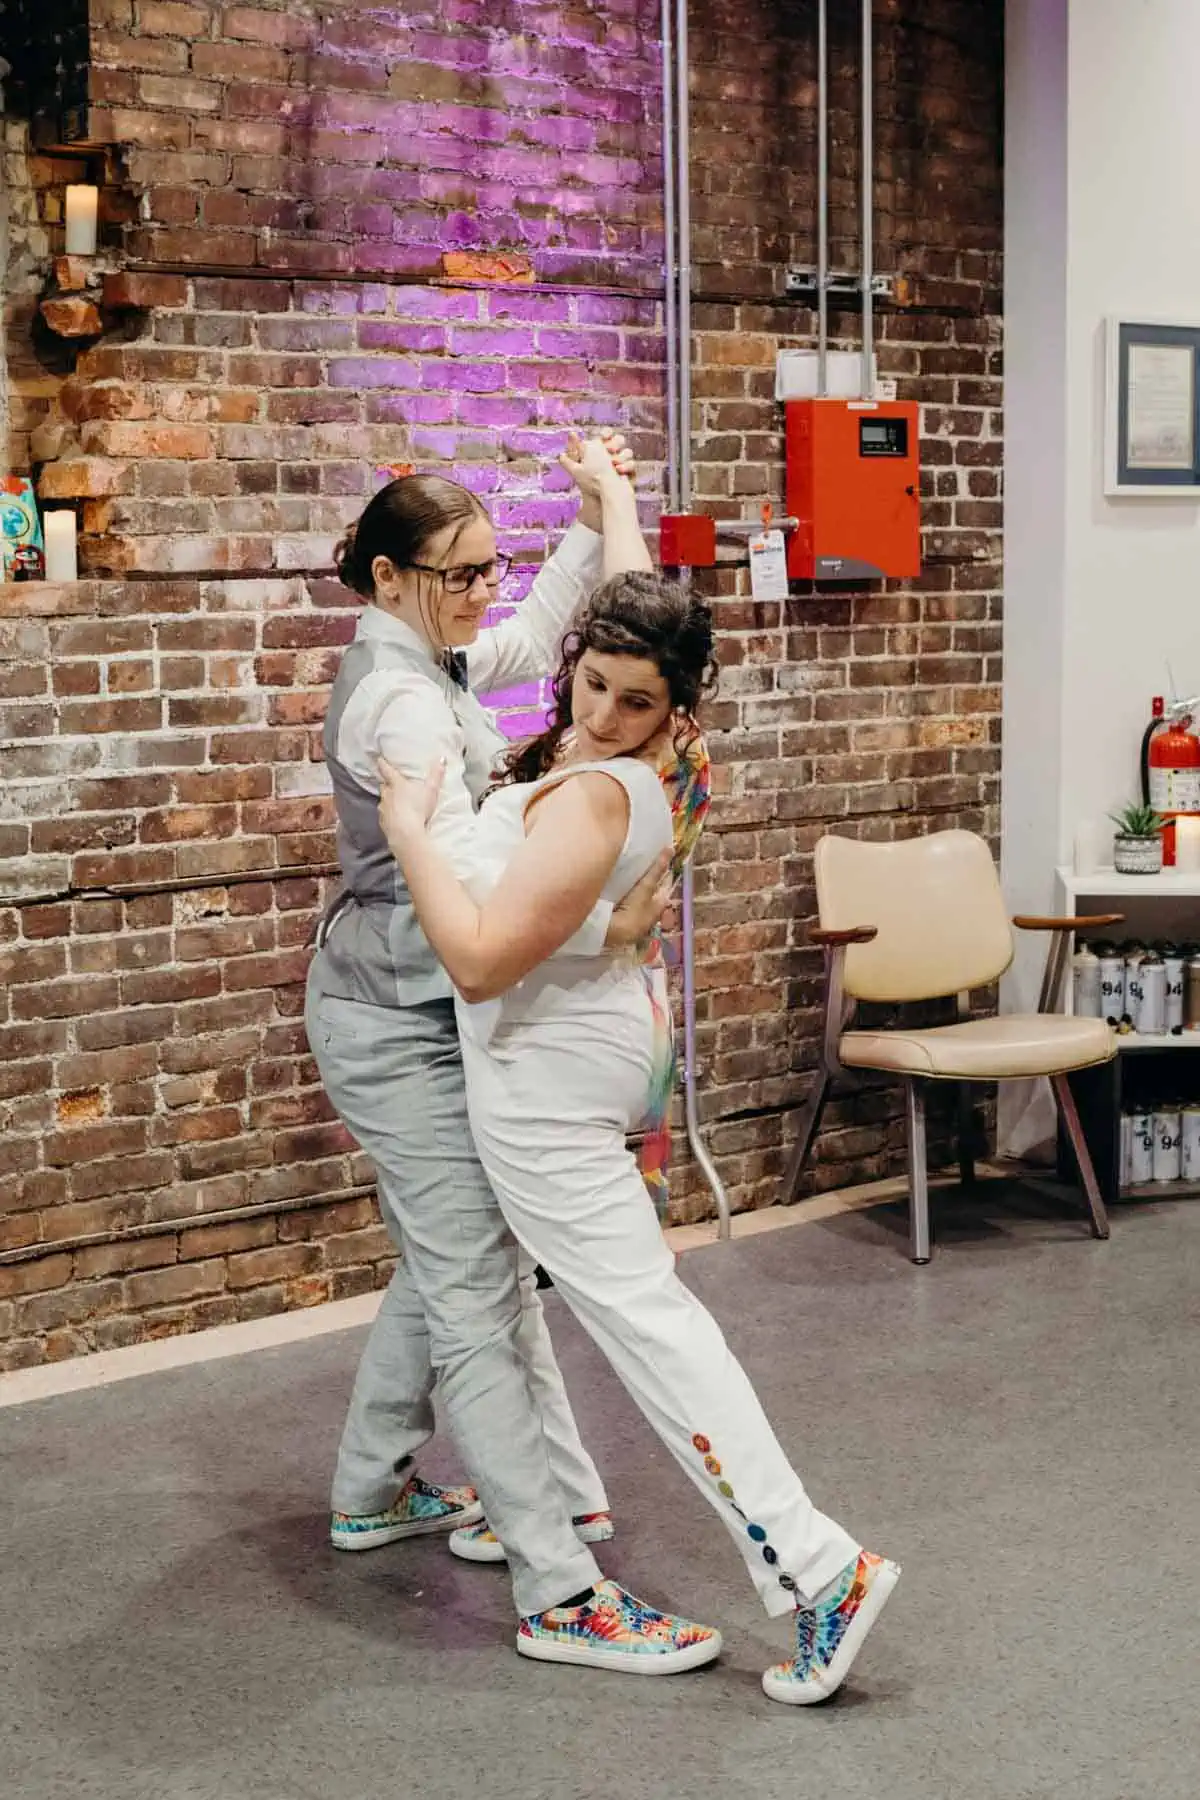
{"x": 854, "y": 484}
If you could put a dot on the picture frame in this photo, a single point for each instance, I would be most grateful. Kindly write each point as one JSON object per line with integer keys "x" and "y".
{"x": 1152, "y": 409}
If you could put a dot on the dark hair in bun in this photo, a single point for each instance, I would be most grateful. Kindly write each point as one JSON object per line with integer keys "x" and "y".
{"x": 398, "y": 523}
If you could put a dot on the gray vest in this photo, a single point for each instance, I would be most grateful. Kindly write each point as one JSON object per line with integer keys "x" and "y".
{"x": 374, "y": 950}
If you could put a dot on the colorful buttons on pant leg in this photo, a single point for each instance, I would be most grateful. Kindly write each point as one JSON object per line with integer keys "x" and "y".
{"x": 712, "y": 1465}
{"x": 757, "y": 1533}
{"x": 701, "y": 1444}
{"x": 769, "y": 1555}
{"x": 724, "y": 1488}
{"x": 785, "y": 1581}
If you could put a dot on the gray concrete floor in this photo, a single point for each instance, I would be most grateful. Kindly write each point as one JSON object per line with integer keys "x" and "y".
{"x": 1017, "y": 1423}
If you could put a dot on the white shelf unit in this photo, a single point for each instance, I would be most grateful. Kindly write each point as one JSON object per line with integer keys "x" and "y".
{"x": 1164, "y": 907}
{"x": 1170, "y": 885}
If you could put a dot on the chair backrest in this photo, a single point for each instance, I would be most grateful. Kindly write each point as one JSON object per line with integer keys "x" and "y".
{"x": 937, "y": 906}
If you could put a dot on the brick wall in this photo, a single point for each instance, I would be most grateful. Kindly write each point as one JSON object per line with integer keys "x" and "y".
{"x": 254, "y": 368}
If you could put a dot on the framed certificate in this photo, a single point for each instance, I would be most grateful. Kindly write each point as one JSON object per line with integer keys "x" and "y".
{"x": 1152, "y": 409}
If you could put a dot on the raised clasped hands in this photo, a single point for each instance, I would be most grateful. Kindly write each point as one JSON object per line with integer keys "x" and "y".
{"x": 593, "y": 462}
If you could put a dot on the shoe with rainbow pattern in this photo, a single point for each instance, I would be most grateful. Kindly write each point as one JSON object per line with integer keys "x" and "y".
{"x": 613, "y": 1630}
{"x": 830, "y": 1635}
{"x": 479, "y": 1543}
{"x": 419, "y": 1508}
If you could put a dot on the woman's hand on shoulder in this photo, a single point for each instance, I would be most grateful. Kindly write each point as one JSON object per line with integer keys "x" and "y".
{"x": 635, "y": 917}
{"x": 406, "y": 805}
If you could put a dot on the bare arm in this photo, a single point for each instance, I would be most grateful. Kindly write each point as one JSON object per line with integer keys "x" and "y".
{"x": 526, "y": 645}
{"x": 624, "y": 546}
{"x": 548, "y": 889}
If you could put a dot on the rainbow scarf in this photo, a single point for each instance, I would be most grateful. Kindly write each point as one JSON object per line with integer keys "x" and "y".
{"x": 686, "y": 776}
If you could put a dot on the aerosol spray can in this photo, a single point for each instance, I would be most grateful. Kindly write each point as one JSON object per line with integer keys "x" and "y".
{"x": 1190, "y": 1143}
{"x": 1133, "y": 981}
{"x": 1085, "y": 984}
{"x": 1191, "y": 993}
{"x": 1173, "y": 961}
{"x": 1126, "y": 1163}
{"x": 1150, "y": 1013}
{"x": 1167, "y": 1159}
{"x": 1112, "y": 986}
{"x": 1141, "y": 1155}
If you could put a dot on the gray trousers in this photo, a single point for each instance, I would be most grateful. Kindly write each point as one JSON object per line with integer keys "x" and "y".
{"x": 457, "y": 1311}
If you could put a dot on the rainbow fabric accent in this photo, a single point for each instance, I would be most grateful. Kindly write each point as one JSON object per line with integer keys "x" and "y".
{"x": 687, "y": 782}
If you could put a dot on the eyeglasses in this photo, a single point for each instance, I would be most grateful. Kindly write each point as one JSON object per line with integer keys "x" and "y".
{"x": 461, "y": 578}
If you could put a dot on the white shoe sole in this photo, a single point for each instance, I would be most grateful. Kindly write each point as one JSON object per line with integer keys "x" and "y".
{"x": 623, "y": 1662}
{"x": 410, "y": 1528}
{"x": 472, "y": 1550}
{"x": 811, "y": 1693}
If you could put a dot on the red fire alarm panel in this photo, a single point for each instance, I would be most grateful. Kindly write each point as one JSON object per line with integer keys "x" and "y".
{"x": 854, "y": 485}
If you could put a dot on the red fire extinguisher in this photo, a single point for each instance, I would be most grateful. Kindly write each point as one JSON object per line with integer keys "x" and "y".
{"x": 1171, "y": 766}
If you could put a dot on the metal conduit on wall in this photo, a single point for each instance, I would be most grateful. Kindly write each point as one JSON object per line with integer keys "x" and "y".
{"x": 678, "y": 322}
{"x": 678, "y": 302}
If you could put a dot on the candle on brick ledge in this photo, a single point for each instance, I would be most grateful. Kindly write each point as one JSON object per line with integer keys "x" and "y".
{"x": 82, "y": 208}
{"x": 1187, "y": 843}
{"x": 61, "y": 563}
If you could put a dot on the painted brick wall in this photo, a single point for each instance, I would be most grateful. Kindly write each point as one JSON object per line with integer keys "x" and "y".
{"x": 229, "y": 421}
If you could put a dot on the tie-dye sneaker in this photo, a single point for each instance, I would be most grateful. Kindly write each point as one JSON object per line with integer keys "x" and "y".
{"x": 830, "y": 1635}
{"x": 418, "y": 1508}
{"x": 479, "y": 1543}
{"x": 612, "y": 1630}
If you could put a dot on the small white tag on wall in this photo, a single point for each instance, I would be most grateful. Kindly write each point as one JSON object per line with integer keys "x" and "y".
{"x": 768, "y": 566}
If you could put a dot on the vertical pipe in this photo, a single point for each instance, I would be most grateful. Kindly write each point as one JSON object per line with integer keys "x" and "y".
{"x": 683, "y": 426}
{"x": 684, "y": 228}
{"x": 691, "y": 1110}
{"x": 822, "y": 197}
{"x": 868, "y": 200}
{"x": 670, "y": 257}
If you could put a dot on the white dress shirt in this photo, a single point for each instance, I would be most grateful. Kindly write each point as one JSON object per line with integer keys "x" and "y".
{"x": 414, "y": 715}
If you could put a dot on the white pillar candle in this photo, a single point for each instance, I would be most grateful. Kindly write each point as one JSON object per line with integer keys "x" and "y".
{"x": 82, "y": 207}
{"x": 1187, "y": 844}
{"x": 61, "y": 564}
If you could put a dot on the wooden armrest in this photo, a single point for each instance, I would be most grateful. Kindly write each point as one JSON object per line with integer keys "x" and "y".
{"x": 1089, "y": 922}
{"x": 833, "y": 940}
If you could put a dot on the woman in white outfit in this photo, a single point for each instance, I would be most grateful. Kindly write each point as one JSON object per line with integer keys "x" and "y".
{"x": 559, "y": 1050}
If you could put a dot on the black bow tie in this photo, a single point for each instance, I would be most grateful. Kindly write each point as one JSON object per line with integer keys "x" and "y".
{"x": 455, "y": 664}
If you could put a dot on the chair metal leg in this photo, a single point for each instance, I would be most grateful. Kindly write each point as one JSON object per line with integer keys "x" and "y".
{"x": 966, "y": 1134}
{"x": 918, "y": 1174}
{"x": 810, "y": 1119}
{"x": 1069, "y": 1114}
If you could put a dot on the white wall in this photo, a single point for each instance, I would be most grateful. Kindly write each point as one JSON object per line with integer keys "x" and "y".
{"x": 1103, "y": 145}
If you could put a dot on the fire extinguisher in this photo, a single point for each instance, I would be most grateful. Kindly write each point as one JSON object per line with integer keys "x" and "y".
{"x": 1171, "y": 766}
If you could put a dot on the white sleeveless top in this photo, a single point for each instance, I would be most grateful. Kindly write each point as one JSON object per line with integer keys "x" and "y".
{"x": 500, "y": 833}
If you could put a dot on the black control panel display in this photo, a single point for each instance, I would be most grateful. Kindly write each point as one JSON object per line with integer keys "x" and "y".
{"x": 883, "y": 437}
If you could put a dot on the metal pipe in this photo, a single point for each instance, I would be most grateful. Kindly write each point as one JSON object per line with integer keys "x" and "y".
{"x": 868, "y": 200}
{"x": 670, "y": 257}
{"x": 677, "y": 168}
{"x": 822, "y": 197}
{"x": 683, "y": 167}
{"x": 690, "y": 1107}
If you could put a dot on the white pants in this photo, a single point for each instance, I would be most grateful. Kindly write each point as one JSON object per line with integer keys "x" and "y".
{"x": 551, "y": 1099}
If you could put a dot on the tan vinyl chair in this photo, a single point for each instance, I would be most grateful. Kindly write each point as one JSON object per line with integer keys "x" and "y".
{"x": 924, "y": 919}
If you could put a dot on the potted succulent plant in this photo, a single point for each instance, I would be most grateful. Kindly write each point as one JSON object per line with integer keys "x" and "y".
{"x": 1138, "y": 845}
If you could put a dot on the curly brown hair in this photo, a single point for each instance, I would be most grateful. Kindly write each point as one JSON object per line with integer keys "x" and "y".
{"x": 637, "y": 614}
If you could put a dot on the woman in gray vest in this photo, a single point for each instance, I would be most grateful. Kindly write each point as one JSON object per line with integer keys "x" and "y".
{"x": 381, "y": 1023}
